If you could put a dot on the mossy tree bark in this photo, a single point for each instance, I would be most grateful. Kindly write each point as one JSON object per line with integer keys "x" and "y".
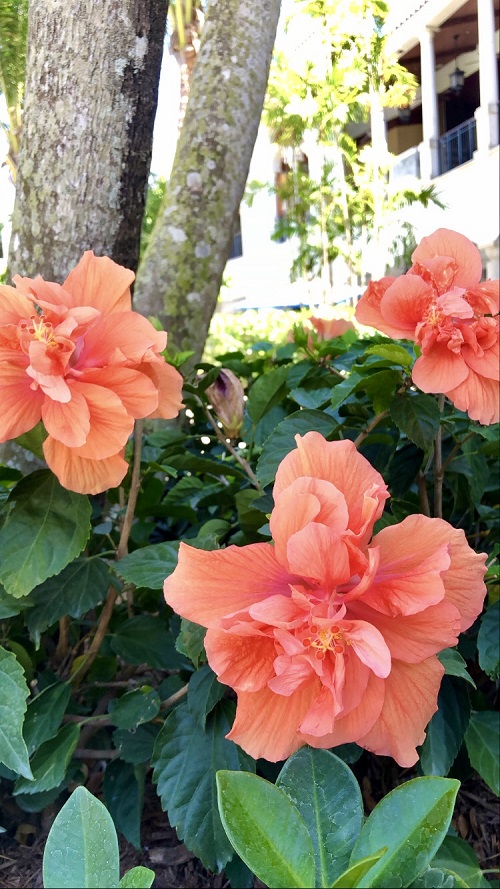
{"x": 181, "y": 273}
{"x": 91, "y": 93}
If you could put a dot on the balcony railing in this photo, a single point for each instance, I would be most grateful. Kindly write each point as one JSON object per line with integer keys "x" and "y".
{"x": 458, "y": 145}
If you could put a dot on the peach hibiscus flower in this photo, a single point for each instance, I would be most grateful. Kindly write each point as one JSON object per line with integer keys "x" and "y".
{"x": 76, "y": 357}
{"x": 327, "y": 637}
{"x": 441, "y": 304}
{"x": 329, "y": 328}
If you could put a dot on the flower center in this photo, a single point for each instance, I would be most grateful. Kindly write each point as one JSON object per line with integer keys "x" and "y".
{"x": 41, "y": 330}
{"x": 324, "y": 639}
{"x": 434, "y": 315}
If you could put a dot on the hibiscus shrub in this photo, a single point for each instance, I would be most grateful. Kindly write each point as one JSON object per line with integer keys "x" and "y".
{"x": 285, "y": 595}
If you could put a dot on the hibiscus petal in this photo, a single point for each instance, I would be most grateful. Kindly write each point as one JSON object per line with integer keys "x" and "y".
{"x": 368, "y": 307}
{"x": 119, "y": 339}
{"x": 445, "y": 242}
{"x": 290, "y": 674}
{"x": 110, "y": 425}
{"x": 411, "y": 692}
{"x": 69, "y": 423}
{"x": 415, "y": 637}
{"x": 44, "y": 293}
{"x": 411, "y": 570}
{"x": 349, "y": 728}
{"x": 135, "y": 390}
{"x": 243, "y": 662}
{"x": 206, "y": 586}
{"x": 320, "y": 717}
{"x": 486, "y": 366}
{"x": 369, "y": 645}
{"x": 99, "y": 282}
{"x": 168, "y": 382}
{"x": 464, "y": 579}
{"x": 278, "y": 611}
{"x": 318, "y": 553}
{"x": 21, "y": 405}
{"x": 340, "y": 463}
{"x": 306, "y": 500}
{"x": 405, "y": 303}
{"x": 439, "y": 369}
{"x": 478, "y": 397}
{"x": 81, "y": 475}
{"x": 14, "y": 307}
{"x": 266, "y": 724}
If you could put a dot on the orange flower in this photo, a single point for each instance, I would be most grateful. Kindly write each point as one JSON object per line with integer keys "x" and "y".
{"x": 329, "y": 328}
{"x": 441, "y": 304}
{"x": 76, "y": 357}
{"x": 326, "y": 637}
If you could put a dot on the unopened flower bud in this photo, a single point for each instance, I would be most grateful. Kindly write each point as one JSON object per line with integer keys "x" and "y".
{"x": 226, "y": 395}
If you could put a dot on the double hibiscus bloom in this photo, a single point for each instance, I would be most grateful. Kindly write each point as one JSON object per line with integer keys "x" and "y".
{"x": 327, "y": 637}
{"x": 441, "y": 304}
{"x": 76, "y": 357}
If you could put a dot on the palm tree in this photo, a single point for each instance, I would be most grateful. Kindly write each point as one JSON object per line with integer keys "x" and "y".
{"x": 186, "y": 19}
{"x": 13, "y": 38}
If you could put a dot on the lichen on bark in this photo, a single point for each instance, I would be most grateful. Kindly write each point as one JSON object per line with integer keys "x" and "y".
{"x": 181, "y": 273}
{"x": 91, "y": 92}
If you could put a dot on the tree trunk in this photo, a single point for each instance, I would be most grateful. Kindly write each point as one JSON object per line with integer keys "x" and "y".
{"x": 181, "y": 273}
{"x": 91, "y": 92}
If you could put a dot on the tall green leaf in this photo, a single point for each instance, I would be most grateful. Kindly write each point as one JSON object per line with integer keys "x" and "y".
{"x": 185, "y": 762}
{"x": 44, "y": 714}
{"x": 13, "y": 694}
{"x": 483, "y": 743}
{"x": 487, "y": 641}
{"x": 326, "y": 793}
{"x": 82, "y": 846}
{"x": 266, "y": 829}
{"x": 77, "y": 589}
{"x": 446, "y": 729}
{"x": 412, "y": 822}
{"x": 50, "y": 762}
{"x": 46, "y": 527}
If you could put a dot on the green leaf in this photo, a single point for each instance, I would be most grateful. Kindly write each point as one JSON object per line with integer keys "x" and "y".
{"x": 266, "y": 830}
{"x": 393, "y": 353}
{"x": 123, "y": 788}
{"x": 312, "y": 398}
{"x": 412, "y": 822}
{"x": 204, "y": 692}
{"x": 46, "y": 528}
{"x": 487, "y": 641}
{"x": 455, "y": 665}
{"x": 342, "y": 390}
{"x": 456, "y": 855}
{"x": 44, "y": 715}
{"x": 9, "y": 606}
{"x": 33, "y": 440}
{"x": 185, "y": 761}
{"x": 82, "y": 846}
{"x": 190, "y": 640}
{"x": 282, "y": 440}
{"x": 483, "y": 742}
{"x": 267, "y": 390}
{"x": 138, "y": 877}
{"x": 144, "y": 640}
{"x": 437, "y": 878}
{"x": 136, "y": 745}
{"x": 77, "y": 589}
{"x": 13, "y": 694}
{"x": 135, "y": 707}
{"x": 446, "y": 729}
{"x": 149, "y": 566}
{"x": 325, "y": 792}
{"x": 50, "y": 762}
{"x": 351, "y": 877}
{"x": 380, "y": 388}
{"x": 418, "y": 416}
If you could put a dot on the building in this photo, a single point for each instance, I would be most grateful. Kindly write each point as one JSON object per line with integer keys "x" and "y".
{"x": 450, "y": 134}
{"x": 447, "y": 137}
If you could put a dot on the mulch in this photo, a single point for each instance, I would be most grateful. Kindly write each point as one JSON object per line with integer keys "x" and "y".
{"x": 21, "y": 848}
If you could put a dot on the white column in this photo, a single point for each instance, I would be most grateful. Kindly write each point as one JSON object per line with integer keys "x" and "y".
{"x": 487, "y": 113}
{"x": 429, "y": 148}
